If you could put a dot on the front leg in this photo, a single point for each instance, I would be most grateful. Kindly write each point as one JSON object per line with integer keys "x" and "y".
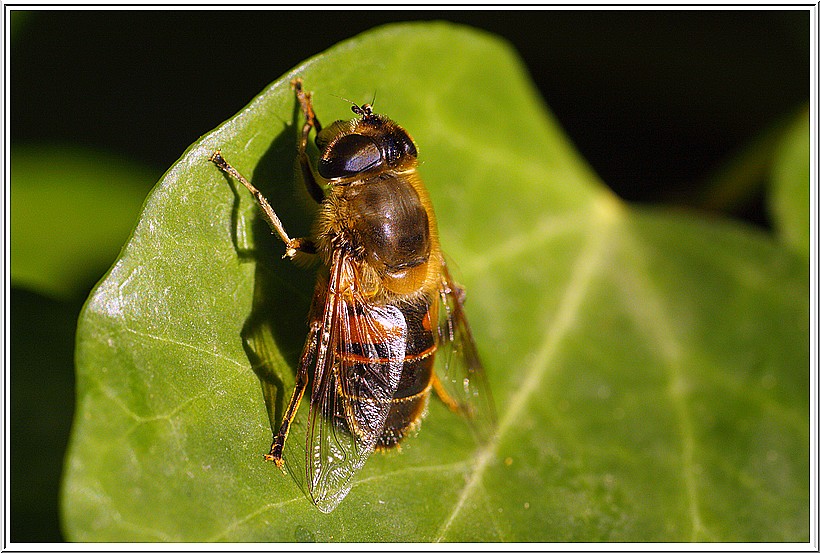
{"x": 311, "y": 122}
{"x": 292, "y": 245}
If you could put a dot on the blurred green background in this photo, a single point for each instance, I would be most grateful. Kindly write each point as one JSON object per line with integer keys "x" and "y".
{"x": 102, "y": 102}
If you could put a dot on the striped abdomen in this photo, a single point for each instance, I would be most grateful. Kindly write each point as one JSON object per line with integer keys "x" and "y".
{"x": 410, "y": 400}
{"x": 369, "y": 368}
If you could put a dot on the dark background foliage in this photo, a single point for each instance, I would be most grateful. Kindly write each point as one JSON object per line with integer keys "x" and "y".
{"x": 656, "y": 101}
{"x": 653, "y": 99}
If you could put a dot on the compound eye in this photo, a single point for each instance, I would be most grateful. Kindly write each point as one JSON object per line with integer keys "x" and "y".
{"x": 352, "y": 154}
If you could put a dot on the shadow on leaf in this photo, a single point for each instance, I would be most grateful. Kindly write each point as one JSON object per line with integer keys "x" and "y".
{"x": 275, "y": 330}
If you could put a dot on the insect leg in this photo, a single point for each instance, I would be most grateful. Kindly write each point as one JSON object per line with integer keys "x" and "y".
{"x": 293, "y": 245}
{"x": 304, "y": 99}
{"x": 308, "y": 355}
{"x": 446, "y": 398}
{"x": 311, "y": 122}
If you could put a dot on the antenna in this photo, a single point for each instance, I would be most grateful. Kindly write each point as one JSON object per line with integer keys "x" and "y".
{"x": 365, "y": 110}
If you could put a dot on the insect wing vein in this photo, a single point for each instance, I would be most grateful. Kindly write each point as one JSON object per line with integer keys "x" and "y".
{"x": 358, "y": 368}
{"x": 459, "y": 366}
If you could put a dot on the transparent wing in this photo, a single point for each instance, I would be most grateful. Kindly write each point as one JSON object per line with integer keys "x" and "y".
{"x": 459, "y": 368}
{"x": 358, "y": 365}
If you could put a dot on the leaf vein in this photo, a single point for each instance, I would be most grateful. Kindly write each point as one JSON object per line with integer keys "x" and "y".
{"x": 250, "y": 516}
{"x": 520, "y": 245}
{"x": 649, "y": 312}
{"x": 588, "y": 263}
{"x": 186, "y": 345}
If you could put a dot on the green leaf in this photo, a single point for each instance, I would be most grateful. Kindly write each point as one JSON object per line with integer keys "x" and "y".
{"x": 790, "y": 178}
{"x": 71, "y": 211}
{"x": 650, "y": 369}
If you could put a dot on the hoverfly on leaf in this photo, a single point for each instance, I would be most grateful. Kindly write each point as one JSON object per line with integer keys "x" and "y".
{"x": 384, "y": 306}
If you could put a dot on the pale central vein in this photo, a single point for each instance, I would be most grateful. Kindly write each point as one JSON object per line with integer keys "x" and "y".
{"x": 589, "y": 260}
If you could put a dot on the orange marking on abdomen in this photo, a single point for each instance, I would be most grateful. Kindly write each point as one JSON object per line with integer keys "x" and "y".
{"x": 384, "y": 360}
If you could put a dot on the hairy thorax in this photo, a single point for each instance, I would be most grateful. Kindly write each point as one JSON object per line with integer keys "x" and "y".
{"x": 384, "y": 222}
